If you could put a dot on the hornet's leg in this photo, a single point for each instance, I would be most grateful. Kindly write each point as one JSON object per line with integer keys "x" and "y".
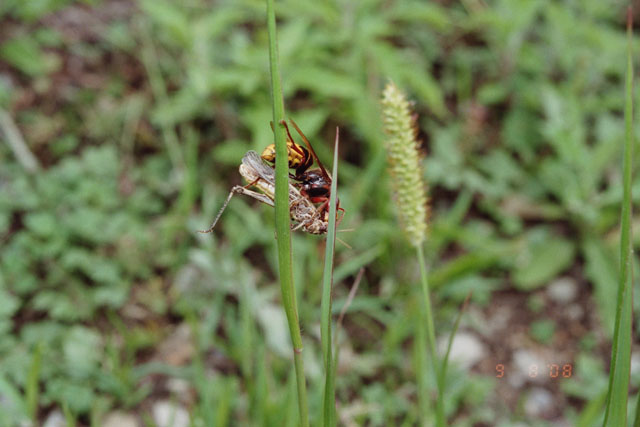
{"x": 325, "y": 207}
{"x": 286, "y": 127}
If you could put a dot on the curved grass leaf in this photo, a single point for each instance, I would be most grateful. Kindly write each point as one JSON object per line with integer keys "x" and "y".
{"x": 616, "y": 412}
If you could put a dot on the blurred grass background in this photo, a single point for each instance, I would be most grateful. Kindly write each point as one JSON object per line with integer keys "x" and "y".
{"x": 138, "y": 113}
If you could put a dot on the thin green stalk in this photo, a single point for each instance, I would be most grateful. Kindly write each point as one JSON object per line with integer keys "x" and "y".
{"x": 329, "y": 397}
{"x": 32, "y": 391}
{"x": 405, "y": 166}
{"x": 421, "y": 361}
{"x": 343, "y": 312}
{"x": 283, "y": 230}
{"x": 592, "y": 411}
{"x": 431, "y": 333}
{"x": 70, "y": 419}
{"x": 616, "y": 412}
{"x": 442, "y": 374}
{"x": 17, "y": 144}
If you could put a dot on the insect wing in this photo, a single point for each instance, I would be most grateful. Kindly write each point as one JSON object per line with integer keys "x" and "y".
{"x": 313, "y": 153}
{"x": 253, "y": 161}
{"x": 253, "y": 167}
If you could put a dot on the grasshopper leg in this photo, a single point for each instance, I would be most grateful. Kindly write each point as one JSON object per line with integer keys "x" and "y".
{"x": 239, "y": 190}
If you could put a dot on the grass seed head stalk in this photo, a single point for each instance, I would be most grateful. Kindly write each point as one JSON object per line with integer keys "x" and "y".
{"x": 406, "y": 173}
{"x": 404, "y": 163}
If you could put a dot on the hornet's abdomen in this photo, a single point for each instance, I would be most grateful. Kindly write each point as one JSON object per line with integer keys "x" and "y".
{"x": 315, "y": 186}
{"x": 298, "y": 156}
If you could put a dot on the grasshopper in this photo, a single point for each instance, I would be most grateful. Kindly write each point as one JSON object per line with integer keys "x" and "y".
{"x": 304, "y": 214}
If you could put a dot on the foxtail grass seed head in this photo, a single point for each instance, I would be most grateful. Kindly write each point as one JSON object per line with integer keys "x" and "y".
{"x": 404, "y": 163}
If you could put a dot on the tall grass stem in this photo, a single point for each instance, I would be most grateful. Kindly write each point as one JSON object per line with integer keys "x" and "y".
{"x": 412, "y": 208}
{"x": 431, "y": 333}
{"x": 32, "y": 389}
{"x": 442, "y": 374}
{"x": 617, "y": 396}
{"x": 283, "y": 230}
{"x": 329, "y": 397}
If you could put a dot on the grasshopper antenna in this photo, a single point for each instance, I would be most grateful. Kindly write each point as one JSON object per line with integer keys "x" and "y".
{"x": 346, "y": 245}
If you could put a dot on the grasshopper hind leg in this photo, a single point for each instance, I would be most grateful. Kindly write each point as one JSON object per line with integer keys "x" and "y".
{"x": 233, "y": 191}
{"x": 239, "y": 190}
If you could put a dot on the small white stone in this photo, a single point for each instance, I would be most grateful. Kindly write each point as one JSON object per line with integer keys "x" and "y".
{"x": 527, "y": 366}
{"x": 178, "y": 386}
{"x": 563, "y": 290}
{"x": 466, "y": 349}
{"x": 539, "y": 402}
{"x": 170, "y": 414}
{"x": 635, "y": 363}
{"x": 120, "y": 419}
{"x": 574, "y": 312}
{"x": 496, "y": 322}
{"x": 55, "y": 419}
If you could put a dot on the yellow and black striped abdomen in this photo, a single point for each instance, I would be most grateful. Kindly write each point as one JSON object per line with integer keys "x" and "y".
{"x": 299, "y": 158}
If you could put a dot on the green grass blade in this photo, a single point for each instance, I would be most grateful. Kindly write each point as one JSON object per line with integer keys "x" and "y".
{"x": 329, "y": 397}
{"x": 283, "y": 230}
{"x": 592, "y": 411}
{"x": 421, "y": 362}
{"x": 343, "y": 312}
{"x": 442, "y": 375}
{"x": 32, "y": 391}
{"x": 616, "y": 412}
{"x": 431, "y": 334}
{"x": 68, "y": 415}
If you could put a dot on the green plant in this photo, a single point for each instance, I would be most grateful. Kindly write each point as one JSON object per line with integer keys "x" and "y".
{"x": 329, "y": 356}
{"x": 618, "y": 392}
{"x": 543, "y": 330}
{"x": 521, "y": 116}
{"x": 283, "y": 230}
{"x": 412, "y": 209}
{"x": 81, "y": 247}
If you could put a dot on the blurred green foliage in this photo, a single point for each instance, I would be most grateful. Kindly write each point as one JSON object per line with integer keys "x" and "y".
{"x": 140, "y": 113}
